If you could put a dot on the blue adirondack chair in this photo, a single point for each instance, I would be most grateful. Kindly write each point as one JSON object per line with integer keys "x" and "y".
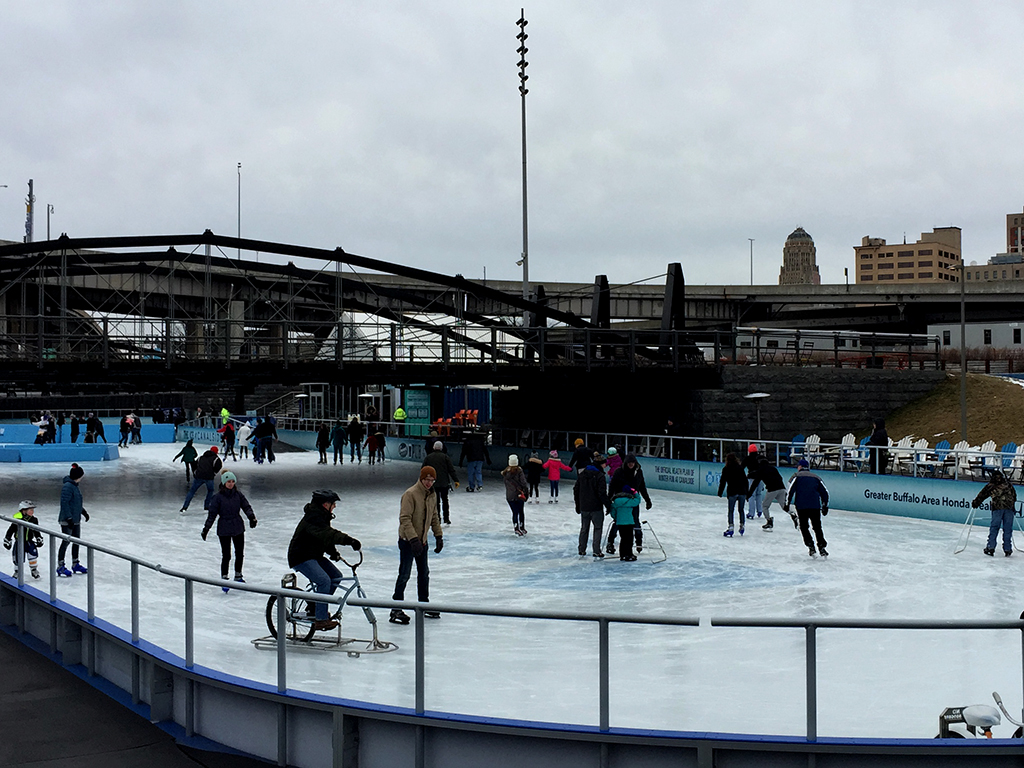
{"x": 942, "y": 458}
{"x": 1009, "y": 452}
{"x": 794, "y": 452}
{"x": 858, "y": 458}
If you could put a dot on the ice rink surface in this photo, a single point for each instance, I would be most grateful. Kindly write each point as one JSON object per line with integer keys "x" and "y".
{"x": 877, "y": 683}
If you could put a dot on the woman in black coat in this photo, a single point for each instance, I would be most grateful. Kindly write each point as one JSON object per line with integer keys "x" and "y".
{"x": 880, "y": 455}
{"x": 228, "y": 504}
{"x": 734, "y": 483}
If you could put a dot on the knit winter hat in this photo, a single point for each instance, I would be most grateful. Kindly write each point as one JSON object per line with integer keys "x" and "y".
{"x": 513, "y": 460}
{"x": 630, "y": 458}
{"x": 752, "y": 448}
{"x": 553, "y": 454}
{"x": 579, "y": 442}
{"x": 76, "y": 472}
{"x": 803, "y": 464}
{"x": 228, "y": 476}
{"x": 428, "y": 472}
{"x": 214, "y": 449}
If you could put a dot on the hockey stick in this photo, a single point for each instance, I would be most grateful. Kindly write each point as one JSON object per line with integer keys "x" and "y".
{"x": 965, "y": 532}
{"x": 664, "y": 555}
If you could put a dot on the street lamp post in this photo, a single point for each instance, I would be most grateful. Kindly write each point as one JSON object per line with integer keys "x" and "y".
{"x": 49, "y": 209}
{"x": 523, "y": 77}
{"x": 963, "y": 350}
{"x": 757, "y": 398}
{"x": 239, "y": 209}
{"x": 751, "y": 259}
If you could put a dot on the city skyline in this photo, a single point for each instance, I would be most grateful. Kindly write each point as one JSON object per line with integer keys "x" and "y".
{"x": 661, "y": 134}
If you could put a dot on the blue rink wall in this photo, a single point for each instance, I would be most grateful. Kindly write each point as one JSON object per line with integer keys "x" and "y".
{"x": 17, "y": 443}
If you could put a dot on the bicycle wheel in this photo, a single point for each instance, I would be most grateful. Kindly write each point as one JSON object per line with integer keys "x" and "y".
{"x": 297, "y": 630}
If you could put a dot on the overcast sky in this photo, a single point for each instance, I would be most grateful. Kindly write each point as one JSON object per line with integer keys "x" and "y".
{"x": 657, "y": 131}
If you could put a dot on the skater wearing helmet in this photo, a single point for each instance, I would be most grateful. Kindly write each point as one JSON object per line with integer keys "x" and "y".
{"x": 810, "y": 496}
{"x": 418, "y": 515}
{"x": 71, "y": 514}
{"x": 775, "y": 491}
{"x": 750, "y": 462}
{"x": 555, "y": 468}
{"x": 735, "y": 481}
{"x": 614, "y": 461}
{"x": 206, "y": 470}
{"x": 228, "y": 504}
{"x": 23, "y": 541}
{"x": 313, "y": 538}
{"x": 1004, "y": 500}
{"x": 516, "y": 490}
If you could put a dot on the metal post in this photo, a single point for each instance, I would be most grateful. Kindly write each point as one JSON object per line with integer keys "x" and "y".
{"x": 53, "y": 573}
{"x": 751, "y": 259}
{"x": 963, "y": 353}
{"x": 603, "y": 722}
{"x": 190, "y": 633}
{"x": 135, "y": 602}
{"x": 523, "y": 77}
{"x": 90, "y": 563}
{"x": 420, "y": 662}
{"x": 812, "y": 685}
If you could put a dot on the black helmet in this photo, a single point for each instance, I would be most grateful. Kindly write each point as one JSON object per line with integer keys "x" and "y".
{"x": 325, "y": 496}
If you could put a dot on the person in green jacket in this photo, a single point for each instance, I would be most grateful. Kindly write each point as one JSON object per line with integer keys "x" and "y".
{"x": 188, "y": 456}
{"x": 623, "y": 505}
{"x": 400, "y": 417}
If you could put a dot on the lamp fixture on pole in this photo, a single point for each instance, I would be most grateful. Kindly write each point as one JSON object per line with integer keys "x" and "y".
{"x": 757, "y": 398}
{"x": 49, "y": 209}
{"x": 524, "y": 261}
{"x": 239, "y": 209}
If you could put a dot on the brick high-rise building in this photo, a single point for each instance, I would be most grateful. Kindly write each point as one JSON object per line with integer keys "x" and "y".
{"x": 935, "y": 258}
{"x": 798, "y": 260}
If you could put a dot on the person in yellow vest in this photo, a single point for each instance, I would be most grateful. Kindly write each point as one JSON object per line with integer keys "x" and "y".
{"x": 225, "y": 416}
{"x": 399, "y": 417}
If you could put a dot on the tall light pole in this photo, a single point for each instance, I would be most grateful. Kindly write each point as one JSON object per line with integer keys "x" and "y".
{"x": 239, "y": 209}
{"x": 963, "y": 350}
{"x": 751, "y": 259}
{"x": 523, "y": 77}
{"x": 30, "y": 210}
{"x": 49, "y": 209}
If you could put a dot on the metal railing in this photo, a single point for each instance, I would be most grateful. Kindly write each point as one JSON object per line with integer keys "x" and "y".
{"x": 42, "y": 339}
{"x": 602, "y": 620}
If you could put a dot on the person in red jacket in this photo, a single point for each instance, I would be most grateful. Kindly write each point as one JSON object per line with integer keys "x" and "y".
{"x": 554, "y": 467}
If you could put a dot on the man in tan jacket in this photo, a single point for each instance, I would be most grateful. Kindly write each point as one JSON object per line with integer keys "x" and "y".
{"x": 418, "y": 514}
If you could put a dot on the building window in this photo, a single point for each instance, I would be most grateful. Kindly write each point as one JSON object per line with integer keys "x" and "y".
{"x": 924, "y": 274}
{"x": 945, "y": 338}
{"x": 907, "y": 265}
{"x": 1016, "y": 273}
{"x": 988, "y": 335}
{"x": 968, "y": 275}
{"x": 977, "y": 275}
{"x": 840, "y": 342}
{"x": 885, "y": 277}
{"x": 772, "y": 343}
{"x": 866, "y": 278}
{"x": 905, "y": 276}
{"x": 926, "y": 252}
{"x": 1016, "y": 335}
{"x": 867, "y": 255}
{"x": 901, "y": 254}
{"x": 866, "y": 266}
{"x": 924, "y": 263}
{"x": 1004, "y": 274}
{"x": 885, "y": 266}
{"x": 986, "y": 274}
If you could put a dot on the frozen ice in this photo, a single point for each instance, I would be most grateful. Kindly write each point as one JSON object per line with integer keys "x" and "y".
{"x": 744, "y": 680}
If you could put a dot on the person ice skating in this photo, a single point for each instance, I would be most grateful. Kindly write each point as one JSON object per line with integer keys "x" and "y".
{"x": 227, "y": 436}
{"x": 76, "y": 427}
{"x": 338, "y": 440}
{"x": 265, "y": 434}
{"x": 244, "y": 434}
{"x": 879, "y": 461}
{"x": 323, "y": 441}
{"x": 23, "y": 541}
{"x": 227, "y": 505}
{"x": 188, "y": 456}
{"x": 355, "y": 440}
{"x": 225, "y": 416}
{"x": 581, "y": 456}
{"x": 554, "y": 468}
{"x": 533, "y": 470}
{"x": 753, "y": 458}
{"x": 734, "y": 481}
{"x": 474, "y": 452}
{"x": 417, "y": 516}
{"x": 810, "y": 497}
{"x": 774, "y": 491}
{"x": 370, "y": 445}
{"x": 614, "y": 461}
{"x": 381, "y": 444}
{"x": 516, "y": 490}
{"x": 1004, "y": 502}
{"x": 631, "y": 474}
{"x": 125, "y": 427}
{"x": 206, "y": 470}
{"x": 94, "y": 425}
{"x": 446, "y": 478}
{"x": 591, "y": 496}
{"x": 72, "y": 512}
{"x": 136, "y": 429}
{"x": 625, "y": 510}
{"x": 313, "y": 538}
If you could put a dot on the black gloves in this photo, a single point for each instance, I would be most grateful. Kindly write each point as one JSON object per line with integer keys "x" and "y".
{"x": 416, "y": 545}
{"x": 252, "y": 522}
{"x": 648, "y": 503}
{"x": 335, "y": 555}
{"x": 975, "y": 504}
{"x": 38, "y": 541}
{"x": 85, "y": 515}
{"x": 203, "y": 534}
{"x": 824, "y": 510}
{"x": 440, "y": 545}
{"x": 8, "y": 543}
{"x": 355, "y": 544}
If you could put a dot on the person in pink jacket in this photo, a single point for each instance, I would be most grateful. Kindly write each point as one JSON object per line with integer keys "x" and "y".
{"x": 614, "y": 461}
{"x": 555, "y": 468}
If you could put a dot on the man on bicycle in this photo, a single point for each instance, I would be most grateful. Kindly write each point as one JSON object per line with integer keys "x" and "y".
{"x": 313, "y": 538}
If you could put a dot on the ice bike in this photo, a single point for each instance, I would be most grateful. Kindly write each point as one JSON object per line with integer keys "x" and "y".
{"x": 299, "y": 616}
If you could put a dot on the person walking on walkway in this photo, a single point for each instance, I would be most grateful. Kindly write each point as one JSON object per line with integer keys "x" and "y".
{"x": 1004, "y": 502}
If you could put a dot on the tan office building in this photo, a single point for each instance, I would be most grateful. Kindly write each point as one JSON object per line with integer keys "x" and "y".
{"x": 799, "y": 265}
{"x": 935, "y": 258}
